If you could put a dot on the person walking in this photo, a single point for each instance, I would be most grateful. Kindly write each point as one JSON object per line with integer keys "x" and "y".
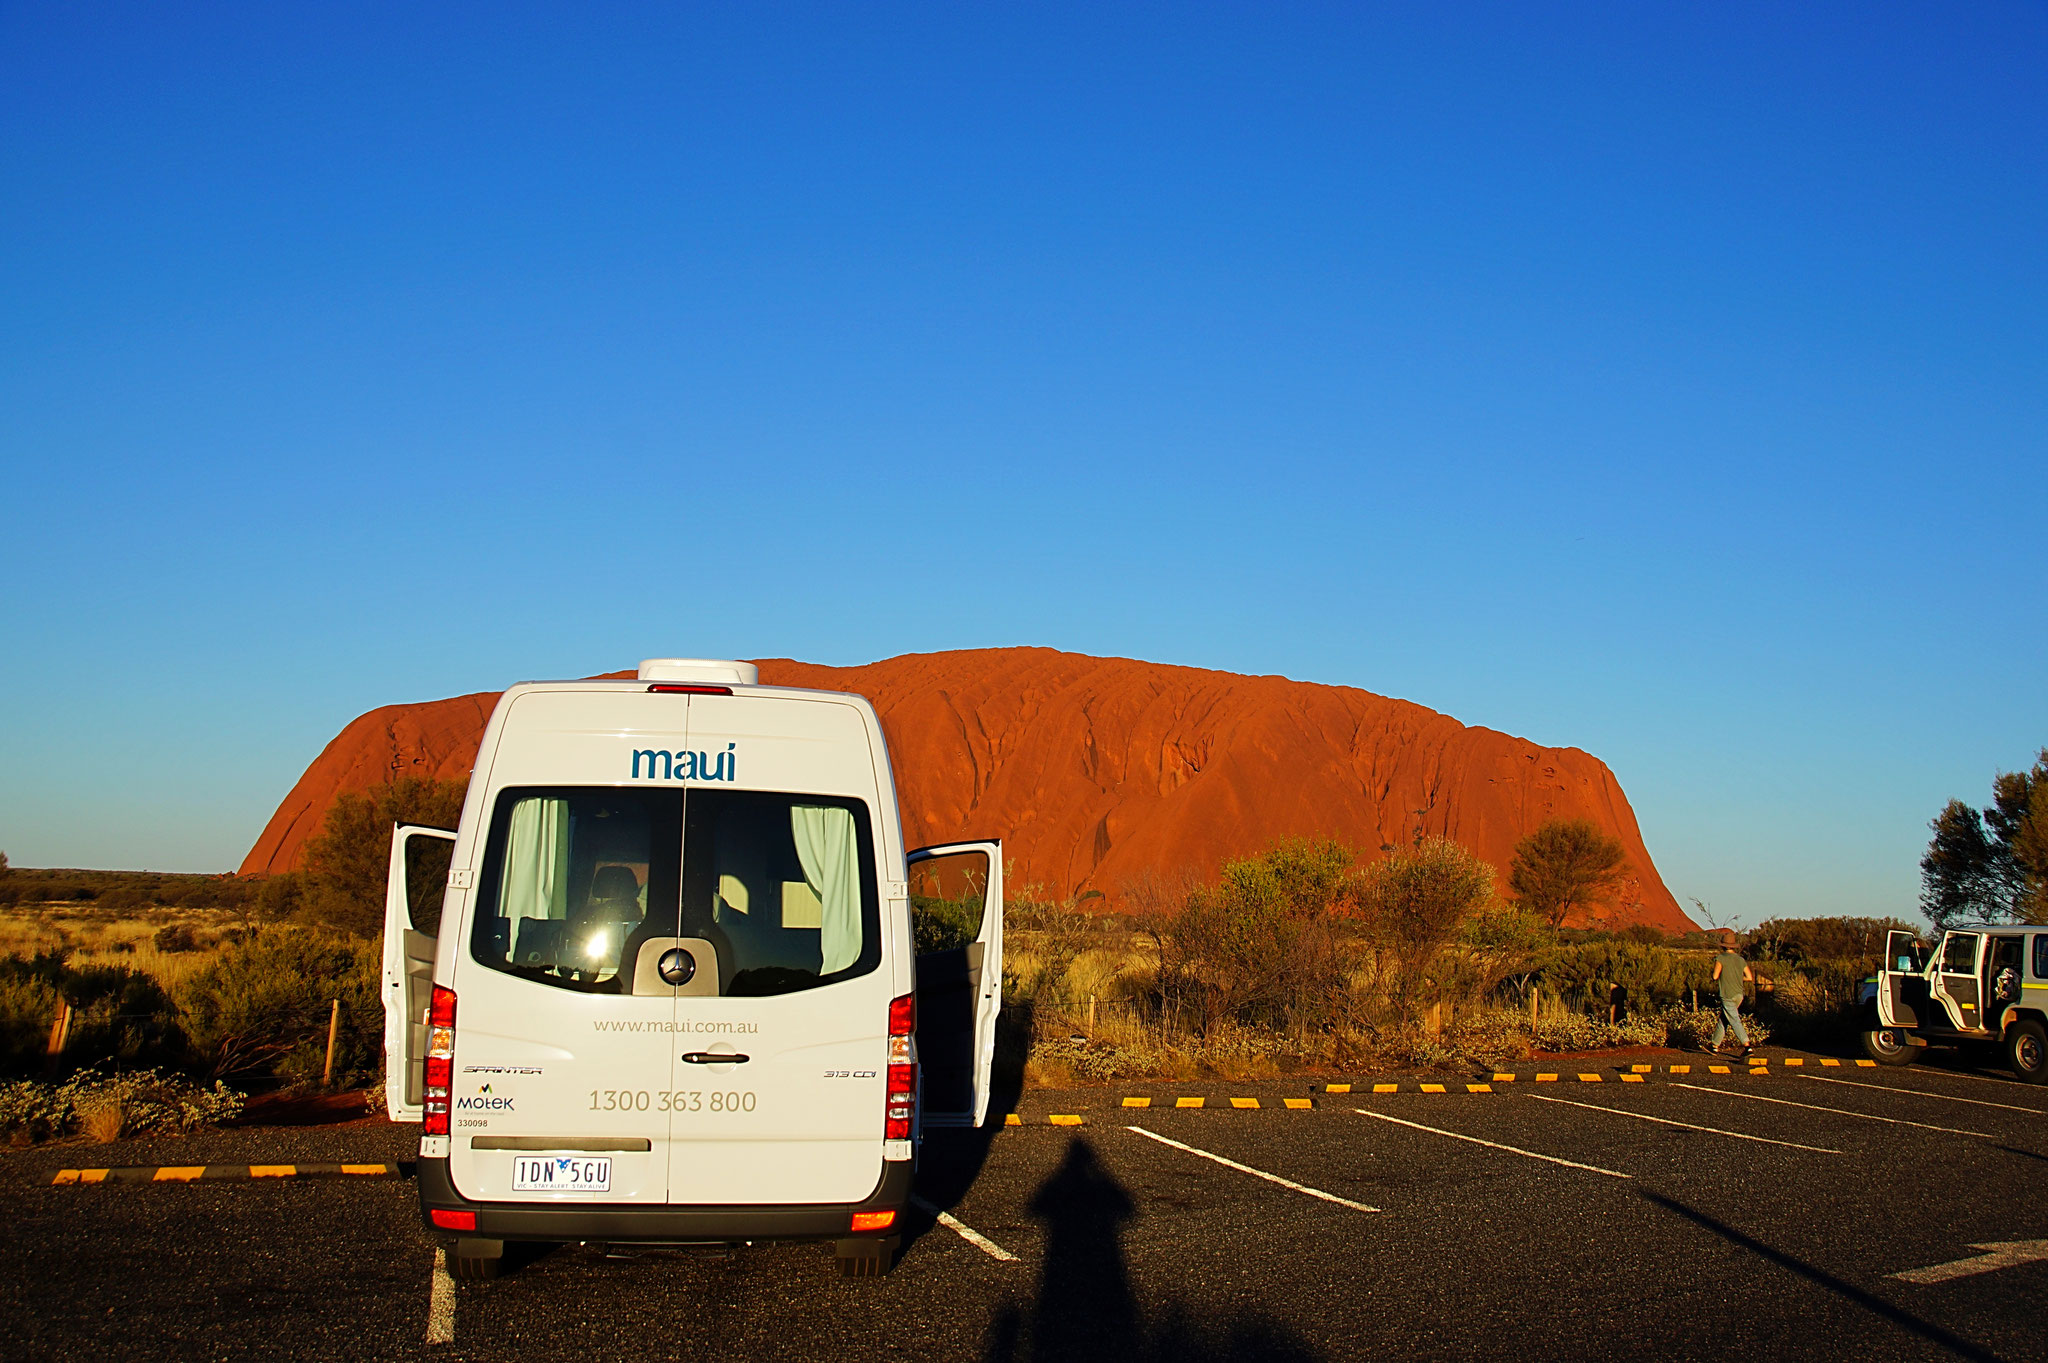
{"x": 1731, "y": 972}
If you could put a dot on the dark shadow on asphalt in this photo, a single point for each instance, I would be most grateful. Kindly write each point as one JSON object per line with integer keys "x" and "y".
{"x": 1085, "y": 1309}
{"x": 950, "y": 1161}
{"x": 2015, "y": 1150}
{"x": 1820, "y": 1277}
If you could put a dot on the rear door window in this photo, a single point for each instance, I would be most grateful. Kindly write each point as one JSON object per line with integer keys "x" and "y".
{"x": 782, "y": 887}
{"x": 779, "y": 889}
{"x": 573, "y": 879}
{"x": 1959, "y": 954}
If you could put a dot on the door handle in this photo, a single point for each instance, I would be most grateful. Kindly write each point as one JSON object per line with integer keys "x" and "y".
{"x": 713, "y": 1058}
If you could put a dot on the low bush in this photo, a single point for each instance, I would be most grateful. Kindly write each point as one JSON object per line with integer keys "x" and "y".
{"x": 262, "y": 1006}
{"x": 107, "y": 1105}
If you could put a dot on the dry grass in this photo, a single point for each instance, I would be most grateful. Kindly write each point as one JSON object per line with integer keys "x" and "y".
{"x": 96, "y": 937}
{"x": 104, "y": 1123}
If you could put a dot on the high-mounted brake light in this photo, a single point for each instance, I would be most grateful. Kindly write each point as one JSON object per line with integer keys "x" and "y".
{"x": 901, "y": 1108}
{"x": 692, "y": 690}
{"x": 440, "y": 1060}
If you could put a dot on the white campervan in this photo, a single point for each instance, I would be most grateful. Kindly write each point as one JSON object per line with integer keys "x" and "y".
{"x": 670, "y": 994}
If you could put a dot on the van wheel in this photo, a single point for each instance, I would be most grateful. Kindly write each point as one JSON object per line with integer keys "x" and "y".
{"x": 467, "y": 1267}
{"x": 1888, "y": 1046}
{"x": 2026, "y": 1051}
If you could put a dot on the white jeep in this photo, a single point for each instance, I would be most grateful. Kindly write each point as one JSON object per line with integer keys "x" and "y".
{"x": 1985, "y": 984}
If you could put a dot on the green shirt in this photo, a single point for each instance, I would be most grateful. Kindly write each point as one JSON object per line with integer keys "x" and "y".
{"x": 1732, "y": 966}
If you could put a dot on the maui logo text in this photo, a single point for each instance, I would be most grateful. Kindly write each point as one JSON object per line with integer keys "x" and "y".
{"x": 687, "y": 766}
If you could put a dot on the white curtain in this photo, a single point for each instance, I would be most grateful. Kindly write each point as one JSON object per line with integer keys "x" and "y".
{"x": 831, "y": 857}
{"x": 537, "y": 861}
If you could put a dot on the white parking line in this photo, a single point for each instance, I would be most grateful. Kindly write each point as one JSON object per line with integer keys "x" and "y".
{"x": 441, "y": 1302}
{"x": 1256, "y": 1173}
{"x": 967, "y": 1232}
{"x": 1838, "y": 1111}
{"x": 1997, "y": 1254}
{"x": 1493, "y": 1145}
{"x": 1923, "y": 1093}
{"x": 1666, "y": 1121}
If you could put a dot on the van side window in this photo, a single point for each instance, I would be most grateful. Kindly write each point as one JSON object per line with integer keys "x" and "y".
{"x": 948, "y": 895}
{"x": 571, "y": 878}
{"x": 2041, "y": 955}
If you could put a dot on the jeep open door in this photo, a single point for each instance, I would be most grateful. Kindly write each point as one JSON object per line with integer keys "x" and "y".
{"x": 1954, "y": 980}
{"x": 956, "y": 906}
{"x": 1901, "y": 983}
{"x": 417, "y": 880}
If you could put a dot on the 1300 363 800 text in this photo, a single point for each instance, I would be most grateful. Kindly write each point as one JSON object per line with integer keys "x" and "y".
{"x": 671, "y": 1100}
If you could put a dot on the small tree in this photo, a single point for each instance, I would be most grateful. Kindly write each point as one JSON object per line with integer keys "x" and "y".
{"x": 1415, "y": 901}
{"x": 1993, "y": 864}
{"x": 347, "y": 862}
{"x": 1564, "y": 866}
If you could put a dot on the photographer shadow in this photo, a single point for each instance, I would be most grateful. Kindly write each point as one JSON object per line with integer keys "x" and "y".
{"x": 1085, "y": 1309}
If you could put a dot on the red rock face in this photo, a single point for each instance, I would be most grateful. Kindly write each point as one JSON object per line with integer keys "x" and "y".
{"x": 1096, "y": 770}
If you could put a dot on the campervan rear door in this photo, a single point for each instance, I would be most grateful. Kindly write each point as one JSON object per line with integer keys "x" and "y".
{"x": 564, "y": 1054}
{"x": 415, "y": 882}
{"x": 780, "y": 1069}
{"x": 956, "y": 896}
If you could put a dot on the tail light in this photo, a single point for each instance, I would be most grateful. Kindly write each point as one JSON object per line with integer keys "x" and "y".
{"x": 440, "y": 1060}
{"x": 872, "y": 1221}
{"x": 902, "y": 1099}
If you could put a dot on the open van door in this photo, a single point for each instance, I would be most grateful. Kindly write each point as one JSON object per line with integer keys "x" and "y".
{"x": 416, "y": 882}
{"x": 956, "y": 911}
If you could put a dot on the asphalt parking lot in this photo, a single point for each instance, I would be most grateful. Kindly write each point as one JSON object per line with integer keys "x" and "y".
{"x": 1685, "y": 1216}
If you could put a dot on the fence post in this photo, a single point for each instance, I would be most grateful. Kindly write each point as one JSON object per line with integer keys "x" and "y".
{"x": 60, "y": 1028}
{"x": 1091, "y": 1012}
{"x": 1532, "y": 1005}
{"x": 333, "y": 1029}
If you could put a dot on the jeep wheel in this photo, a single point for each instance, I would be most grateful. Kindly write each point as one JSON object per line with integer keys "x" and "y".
{"x": 1888, "y": 1046}
{"x": 2026, "y": 1051}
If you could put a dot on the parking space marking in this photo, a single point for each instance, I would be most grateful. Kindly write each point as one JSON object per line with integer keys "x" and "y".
{"x": 1256, "y": 1173}
{"x": 1666, "y": 1121}
{"x": 1997, "y": 1254}
{"x": 441, "y": 1302}
{"x": 1838, "y": 1111}
{"x": 1922, "y": 1093}
{"x": 966, "y": 1232}
{"x": 1493, "y": 1145}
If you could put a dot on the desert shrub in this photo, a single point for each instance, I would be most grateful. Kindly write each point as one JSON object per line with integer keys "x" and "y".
{"x": 176, "y": 937}
{"x": 118, "y": 1013}
{"x": 1581, "y": 973}
{"x": 1263, "y": 945}
{"x": 262, "y": 1005}
{"x": 108, "y": 1105}
{"x": 28, "y": 1004}
{"x": 1415, "y": 902}
{"x": 1695, "y": 1028}
{"x": 348, "y": 861}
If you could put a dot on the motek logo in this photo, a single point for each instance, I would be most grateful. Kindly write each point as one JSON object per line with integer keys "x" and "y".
{"x": 683, "y": 765}
{"x": 483, "y": 1104}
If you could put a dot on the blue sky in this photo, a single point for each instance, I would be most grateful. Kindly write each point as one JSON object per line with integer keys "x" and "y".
{"x": 1667, "y": 382}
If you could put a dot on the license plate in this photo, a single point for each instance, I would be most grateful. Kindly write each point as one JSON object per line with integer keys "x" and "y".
{"x": 561, "y": 1174}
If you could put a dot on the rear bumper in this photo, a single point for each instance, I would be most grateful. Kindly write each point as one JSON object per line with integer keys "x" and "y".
{"x": 657, "y": 1223}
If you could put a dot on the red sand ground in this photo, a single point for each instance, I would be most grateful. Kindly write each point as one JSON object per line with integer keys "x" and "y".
{"x": 1097, "y": 770}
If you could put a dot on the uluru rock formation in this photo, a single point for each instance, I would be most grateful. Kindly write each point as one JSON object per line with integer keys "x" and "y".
{"x": 1095, "y": 771}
